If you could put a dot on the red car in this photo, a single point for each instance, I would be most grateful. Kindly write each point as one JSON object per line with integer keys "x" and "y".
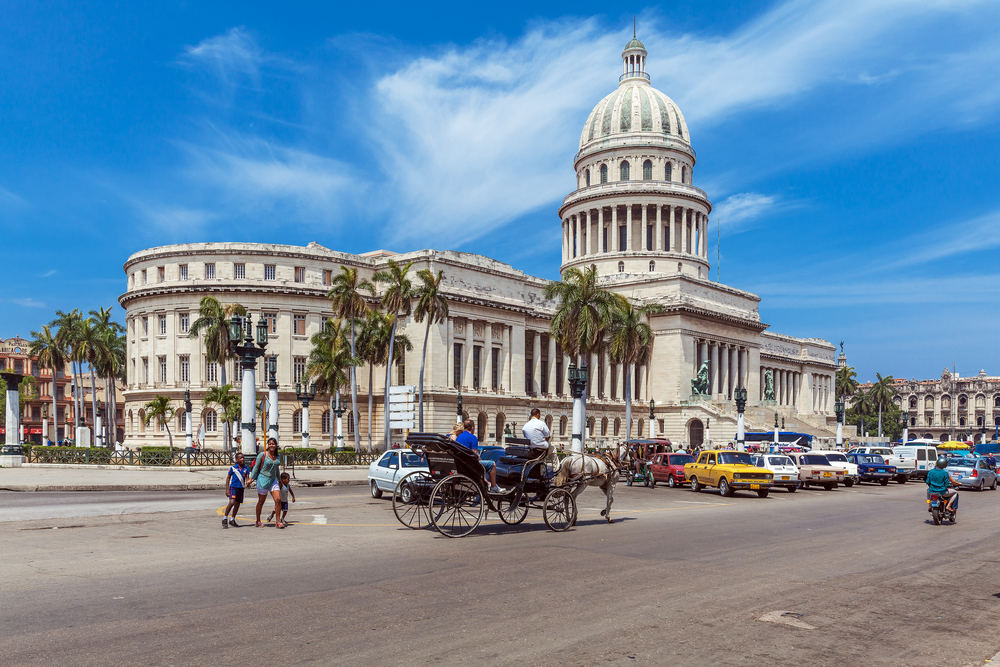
{"x": 669, "y": 468}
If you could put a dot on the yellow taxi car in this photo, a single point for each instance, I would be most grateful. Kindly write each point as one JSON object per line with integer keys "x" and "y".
{"x": 730, "y": 471}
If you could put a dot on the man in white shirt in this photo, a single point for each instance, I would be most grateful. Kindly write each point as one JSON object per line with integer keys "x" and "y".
{"x": 536, "y": 431}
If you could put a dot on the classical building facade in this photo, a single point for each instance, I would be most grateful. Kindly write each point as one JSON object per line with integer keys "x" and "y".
{"x": 635, "y": 215}
{"x": 951, "y": 407}
{"x": 36, "y": 414}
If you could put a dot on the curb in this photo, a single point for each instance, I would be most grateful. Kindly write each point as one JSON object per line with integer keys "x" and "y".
{"x": 142, "y": 487}
{"x": 94, "y": 466}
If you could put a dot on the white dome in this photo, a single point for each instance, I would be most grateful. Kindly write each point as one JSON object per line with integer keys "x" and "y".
{"x": 634, "y": 108}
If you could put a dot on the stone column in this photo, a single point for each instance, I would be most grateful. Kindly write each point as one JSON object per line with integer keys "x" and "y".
{"x": 629, "y": 242}
{"x": 467, "y": 355}
{"x": 536, "y": 363}
{"x": 552, "y": 365}
{"x": 517, "y": 359}
{"x": 607, "y": 376}
{"x": 658, "y": 232}
{"x": 600, "y": 231}
{"x": 450, "y": 353}
{"x": 614, "y": 229}
{"x": 713, "y": 370}
{"x": 645, "y": 224}
{"x": 678, "y": 227}
{"x": 640, "y": 388}
{"x": 505, "y": 363}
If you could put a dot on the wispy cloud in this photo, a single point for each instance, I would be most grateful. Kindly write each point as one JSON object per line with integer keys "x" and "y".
{"x": 27, "y": 302}
{"x": 233, "y": 56}
{"x": 9, "y": 198}
{"x": 739, "y": 211}
{"x": 50, "y": 273}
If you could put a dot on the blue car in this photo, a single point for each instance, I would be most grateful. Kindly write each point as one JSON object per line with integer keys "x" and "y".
{"x": 872, "y": 468}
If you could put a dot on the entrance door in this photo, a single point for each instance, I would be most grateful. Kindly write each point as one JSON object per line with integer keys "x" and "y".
{"x": 696, "y": 434}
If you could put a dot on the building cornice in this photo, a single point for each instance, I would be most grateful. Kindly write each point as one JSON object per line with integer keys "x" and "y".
{"x": 609, "y": 193}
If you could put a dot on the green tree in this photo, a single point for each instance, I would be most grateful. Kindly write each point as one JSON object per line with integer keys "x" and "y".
{"x": 330, "y": 362}
{"x": 373, "y": 349}
{"x": 397, "y": 300}
{"x": 630, "y": 342}
{"x": 67, "y": 325}
{"x": 846, "y": 382}
{"x": 110, "y": 361}
{"x": 162, "y": 411}
{"x": 432, "y": 305}
{"x": 230, "y": 406}
{"x": 49, "y": 354}
{"x": 213, "y": 324}
{"x": 861, "y": 408}
{"x": 90, "y": 346}
{"x": 346, "y": 293}
{"x": 882, "y": 393}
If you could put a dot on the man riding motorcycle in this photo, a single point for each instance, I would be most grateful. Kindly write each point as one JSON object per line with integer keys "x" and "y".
{"x": 940, "y": 482}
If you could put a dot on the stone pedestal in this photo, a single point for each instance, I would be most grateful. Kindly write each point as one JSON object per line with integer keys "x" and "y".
{"x": 11, "y": 461}
{"x": 82, "y": 436}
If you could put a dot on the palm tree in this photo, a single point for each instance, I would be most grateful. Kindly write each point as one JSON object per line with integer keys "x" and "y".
{"x": 882, "y": 393}
{"x": 213, "y": 320}
{"x": 846, "y": 382}
{"x": 329, "y": 363}
{"x": 397, "y": 300}
{"x": 630, "y": 341}
{"x": 230, "y": 405}
{"x": 91, "y": 347}
{"x": 863, "y": 407}
{"x": 349, "y": 303}
{"x": 432, "y": 304}
{"x": 373, "y": 349}
{"x": 110, "y": 361}
{"x": 66, "y": 336}
{"x": 583, "y": 315}
{"x": 160, "y": 409}
{"x": 50, "y": 354}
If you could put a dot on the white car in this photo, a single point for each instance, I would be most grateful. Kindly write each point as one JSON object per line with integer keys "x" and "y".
{"x": 838, "y": 459}
{"x": 385, "y": 473}
{"x": 785, "y": 472}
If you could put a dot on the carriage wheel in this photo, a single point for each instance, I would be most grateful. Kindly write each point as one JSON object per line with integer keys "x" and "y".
{"x": 456, "y": 506}
{"x": 509, "y": 514}
{"x": 409, "y": 500}
{"x": 559, "y": 510}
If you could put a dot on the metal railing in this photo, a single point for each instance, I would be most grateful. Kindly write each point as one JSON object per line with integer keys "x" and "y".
{"x": 97, "y": 456}
{"x": 633, "y": 75}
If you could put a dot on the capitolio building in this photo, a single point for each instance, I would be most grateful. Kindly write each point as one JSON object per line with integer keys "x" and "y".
{"x": 635, "y": 214}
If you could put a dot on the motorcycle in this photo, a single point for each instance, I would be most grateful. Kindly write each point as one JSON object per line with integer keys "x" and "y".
{"x": 938, "y": 507}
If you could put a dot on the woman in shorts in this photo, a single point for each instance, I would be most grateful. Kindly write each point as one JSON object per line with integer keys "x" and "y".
{"x": 267, "y": 473}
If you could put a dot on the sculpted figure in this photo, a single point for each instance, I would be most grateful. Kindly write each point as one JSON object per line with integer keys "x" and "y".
{"x": 768, "y": 386}
{"x": 699, "y": 385}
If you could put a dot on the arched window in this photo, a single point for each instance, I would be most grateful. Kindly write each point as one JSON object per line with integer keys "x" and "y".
{"x": 182, "y": 421}
{"x": 647, "y": 171}
{"x": 548, "y": 422}
{"x": 481, "y": 427}
{"x": 668, "y": 172}
{"x": 604, "y": 173}
{"x": 913, "y": 402}
{"x": 981, "y": 402}
{"x": 624, "y": 171}
{"x": 961, "y": 421}
{"x": 325, "y": 428}
{"x": 350, "y": 423}
{"x": 652, "y": 267}
{"x": 996, "y": 401}
{"x": 641, "y": 424}
{"x": 562, "y": 425}
{"x": 929, "y": 403}
{"x": 501, "y": 424}
{"x": 962, "y": 400}
{"x": 142, "y": 421}
{"x": 297, "y": 421}
{"x": 618, "y": 426}
{"x": 587, "y": 178}
{"x": 684, "y": 174}
{"x": 211, "y": 421}
{"x": 604, "y": 426}
{"x": 979, "y": 421}
{"x": 621, "y": 267}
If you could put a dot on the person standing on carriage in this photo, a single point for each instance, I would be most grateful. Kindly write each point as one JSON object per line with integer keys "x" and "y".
{"x": 468, "y": 439}
{"x": 536, "y": 431}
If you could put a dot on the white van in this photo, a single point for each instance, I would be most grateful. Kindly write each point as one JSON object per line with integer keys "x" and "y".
{"x": 918, "y": 456}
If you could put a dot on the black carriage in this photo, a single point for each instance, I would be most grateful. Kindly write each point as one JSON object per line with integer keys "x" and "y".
{"x": 454, "y": 496}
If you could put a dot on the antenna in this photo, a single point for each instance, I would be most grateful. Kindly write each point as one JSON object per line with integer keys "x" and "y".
{"x": 718, "y": 250}
{"x": 633, "y": 26}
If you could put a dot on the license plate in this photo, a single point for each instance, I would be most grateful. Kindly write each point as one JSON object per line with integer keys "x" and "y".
{"x": 828, "y": 474}
{"x": 754, "y": 487}
{"x": 881, "y": 470}
{"x": 785, "y": 477}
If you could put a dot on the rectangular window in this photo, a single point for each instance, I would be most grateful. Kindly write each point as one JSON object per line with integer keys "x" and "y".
{"x": 495, "y": 371}
{"x": 211, "y": 371}
{"x": 145, "y": 326}
{"x": 666, "y": 238}
{"x": 649, "y": 237}
{"x": 161, "y": 274}
{"x": 144, "y": 276}
{"x": 529, "y": 366}
{"x": 401, "y": 367}
{"x": 163, "y": 325}
{"x": 240, "y": 271}
{"x": 62, "y": 414}
{"x": 145, "y": 370}
{"x": 184, "y": 271}
{"x": 605, "y": 239}
{"x": 270, "y": 271}
{"x": 185, "y": 368}
{"x": 477, "y": 353}
{"x": 132, "y": 280}
{"x": 272, "y": 322}
{"x": 457, "y": 362}
{"x": 300, "y": 274}
{"x": 545, "y": 368}
{"x": 559, "y": 370}
{"x": 182, "y": 421}
{"x": 327, "y": 277}
{"x": 300, "y": 325}
{"x": 163, "y": 368}
{"x": 622, "y": 238}
{"x": 298, "y": 368}
{"x": 211, "y": 422}
{"x": 185, "y": 322}
{"x": 132, "y": 376}
{"x": 210, "y": 271}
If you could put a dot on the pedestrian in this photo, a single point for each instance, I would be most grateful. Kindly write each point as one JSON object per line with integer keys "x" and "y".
{"x": 456, "y": 431}
{"x": 236, "y": 481}
{"x": 266, "y": 473}
{"x": 285, "y": 490}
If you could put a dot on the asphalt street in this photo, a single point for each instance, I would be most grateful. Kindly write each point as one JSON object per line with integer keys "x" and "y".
{"x": 679, "y": 578}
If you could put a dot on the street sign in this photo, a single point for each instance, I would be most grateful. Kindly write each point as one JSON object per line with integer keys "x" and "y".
{"x": 402, "y": 416}
{"x": 400, "y": 424}
{"x": 401, "y": 389}
{"x": 400, "y": 398}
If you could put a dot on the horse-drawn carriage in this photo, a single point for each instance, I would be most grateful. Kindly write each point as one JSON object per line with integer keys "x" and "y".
{"x": 454, "y": 496}
{"x": 640, "y": 455}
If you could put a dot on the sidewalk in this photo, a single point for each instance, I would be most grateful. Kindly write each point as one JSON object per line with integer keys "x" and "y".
{"x": 55, "y": 477}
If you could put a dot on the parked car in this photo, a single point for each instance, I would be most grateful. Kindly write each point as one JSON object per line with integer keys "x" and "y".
{"x": 915, "y": 458}
{"x": 385, "y": 473}
{"x": 669, "y": 468}
{"x": 872, "y": 468}
{"x": 840, "y": 459}
{"x": 785, "y": 472}
{"x": 728, "y": 470}
{"x": 973, "y": 473}
{"x": 815, "y": 469}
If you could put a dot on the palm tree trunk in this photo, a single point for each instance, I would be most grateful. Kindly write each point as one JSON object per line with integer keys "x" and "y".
{"x": 880, "y": 419}
{"x": 354, "y": 396}
{"x": 371, "y": 405}
{"x": 77, "y": 381}
{"x": 55, "y": 411}
{"x": 169, "y": 437}
{"x": 330, "y": 421}
{"x": 388, "y": 377}
{"x": 628, "y": 403}
{"x": 420, "y": 384}
{"x": 93, "y": 402}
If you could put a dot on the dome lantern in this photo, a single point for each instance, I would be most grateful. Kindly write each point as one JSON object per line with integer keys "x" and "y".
{"x": 633, "y": 61}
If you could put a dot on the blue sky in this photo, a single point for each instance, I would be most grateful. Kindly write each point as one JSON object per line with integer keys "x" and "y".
{"x": 850, "y": 146}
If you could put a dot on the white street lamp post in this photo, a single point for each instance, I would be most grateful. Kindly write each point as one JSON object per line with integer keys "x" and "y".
{"x": 272, "y": 389}
{"x": 250, "y": 353}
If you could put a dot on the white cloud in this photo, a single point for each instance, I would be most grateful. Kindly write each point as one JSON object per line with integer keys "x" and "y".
{"x": 737, "y": 211}
{"x": 50, "y": 273}
{"x": 27, "y": 302}
{"x": 231, "y": 56}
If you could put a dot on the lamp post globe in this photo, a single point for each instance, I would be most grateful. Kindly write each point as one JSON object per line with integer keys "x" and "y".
{"x": 741, "y": 404}
{"x": 188, "y": 434}
{"x": 578, "y": 384}
{"x": 839, "y": 409}
{"x": 242, "y": 343}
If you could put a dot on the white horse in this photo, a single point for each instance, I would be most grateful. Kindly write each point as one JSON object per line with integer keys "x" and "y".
{"x": 600, "y": 470}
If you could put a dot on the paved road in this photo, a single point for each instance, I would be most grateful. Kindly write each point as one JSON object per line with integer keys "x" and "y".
{"x": 680, "y": 578}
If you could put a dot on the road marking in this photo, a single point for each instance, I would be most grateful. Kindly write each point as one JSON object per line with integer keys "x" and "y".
{"x": 319, "y": 519}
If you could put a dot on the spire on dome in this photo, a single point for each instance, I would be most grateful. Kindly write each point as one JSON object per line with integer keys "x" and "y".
{"x": 634, "y": 59}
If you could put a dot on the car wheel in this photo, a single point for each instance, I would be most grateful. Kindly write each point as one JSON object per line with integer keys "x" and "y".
{"x": 376, "y": 492}
{"x": 884, "y": 482}
{"x": 829, "y": 487}
{"x": 982, "y": 486}
{"x": 695, "y": 485}
{"x": 671, "y": 482}
{"x": 993, "y": 486}
{"x": 848, "y": 483}
{"x": 762, "y": 493}
{"x": 724, "y": 489}
{"x": 902, "y": 479}
{"x": 791, "y": 489}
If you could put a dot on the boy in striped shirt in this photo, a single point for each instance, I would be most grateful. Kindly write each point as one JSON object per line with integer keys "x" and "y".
{"x": 235, "y": 483}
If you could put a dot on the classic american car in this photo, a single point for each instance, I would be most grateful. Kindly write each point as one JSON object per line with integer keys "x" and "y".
{"x": 816, "y": 469}
{"x": 730, "y": 471}
{"x": 872, "y": 468}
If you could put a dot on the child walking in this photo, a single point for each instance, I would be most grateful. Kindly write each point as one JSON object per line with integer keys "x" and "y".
{"x": 285, "y": 491}
{"x": 236, "y": 481}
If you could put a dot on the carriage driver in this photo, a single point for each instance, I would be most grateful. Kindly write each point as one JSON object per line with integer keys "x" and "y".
{"x": 536, "y": 431}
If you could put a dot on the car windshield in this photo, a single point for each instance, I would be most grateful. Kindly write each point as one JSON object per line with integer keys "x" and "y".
{"x": 780, "y": 461}
{"x": 411, "y": 460}
{"x": 961, "y": 463}
{"x": 735, "y": 457}
{"x": 680, "y": 459}
{"x": 836, "y": 457}
{"x": 871, "y": 459}
{"x": 814, "y": 460}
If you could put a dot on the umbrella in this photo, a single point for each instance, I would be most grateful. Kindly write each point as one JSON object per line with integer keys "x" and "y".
{"x": 953, "y": 444}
